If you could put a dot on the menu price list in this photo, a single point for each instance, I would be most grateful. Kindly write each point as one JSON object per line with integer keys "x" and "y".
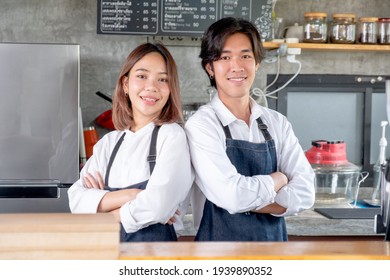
{"x": 178, "y": 17}
{"x": 127, "y": 17}
{"x": 184, "y": 16}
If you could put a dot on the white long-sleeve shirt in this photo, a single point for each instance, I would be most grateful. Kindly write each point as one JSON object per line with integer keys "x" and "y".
{"x": 219, "y": 180}
{"x": 167, "y": 187}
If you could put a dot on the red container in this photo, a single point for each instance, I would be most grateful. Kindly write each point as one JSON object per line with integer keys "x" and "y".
{"x": 105, "y": 120}
{"x": 327, "y": 152}
{"x": 90, "y": 139}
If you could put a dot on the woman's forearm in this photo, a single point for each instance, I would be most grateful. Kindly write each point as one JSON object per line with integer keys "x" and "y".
{"x": 115, "y": 200}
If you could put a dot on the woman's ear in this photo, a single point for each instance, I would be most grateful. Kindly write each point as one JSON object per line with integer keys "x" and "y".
{"x": 257, "y": 66}
{"x": 125, "y": 84}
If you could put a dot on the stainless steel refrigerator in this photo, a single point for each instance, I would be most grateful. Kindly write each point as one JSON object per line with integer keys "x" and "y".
{"x": 39, "y": 126}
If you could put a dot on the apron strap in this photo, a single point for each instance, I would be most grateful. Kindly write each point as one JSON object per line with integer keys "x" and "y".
{"x": 112, "y": 157}
{"x": 152, "y": 150}
{"x": 264, "y": 129}
{"x": 226, "y": 129}
{"x": 151, "y": 157}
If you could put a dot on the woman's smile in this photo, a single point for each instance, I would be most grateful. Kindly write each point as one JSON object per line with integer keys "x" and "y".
{"x": 149, "y": 100}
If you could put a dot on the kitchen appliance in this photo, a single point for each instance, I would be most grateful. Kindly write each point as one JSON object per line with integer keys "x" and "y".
{"x": 376, "y": 194}
{"x": 382, "y": 220}
{"x": 39, "y": 121}
{"x": 336, "y": 180}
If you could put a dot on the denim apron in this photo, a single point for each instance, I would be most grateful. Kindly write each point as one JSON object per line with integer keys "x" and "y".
{"x": 155, "y": 232}
{"x": 250, "y": 159}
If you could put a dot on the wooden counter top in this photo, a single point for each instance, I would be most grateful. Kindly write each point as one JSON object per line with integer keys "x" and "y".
{"x": 339, "y": 250}
{"x": 58, "y": 236}
{"x": 96, "y": 236}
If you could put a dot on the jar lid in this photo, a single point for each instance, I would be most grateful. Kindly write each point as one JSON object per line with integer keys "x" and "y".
{"x": 315, "y": 14}
{"x": 344, "y": 16}
{"x": 384, "y": 19}
{"x": 368, "y": 19}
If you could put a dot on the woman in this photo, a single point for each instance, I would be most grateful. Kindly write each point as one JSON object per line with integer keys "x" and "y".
{"x": 140, "y": 172}
{"x": 248, "y": 163}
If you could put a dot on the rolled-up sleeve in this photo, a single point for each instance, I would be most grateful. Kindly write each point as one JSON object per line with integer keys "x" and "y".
{"x": 82, "y": 199}
{"x": 299, "y": 193}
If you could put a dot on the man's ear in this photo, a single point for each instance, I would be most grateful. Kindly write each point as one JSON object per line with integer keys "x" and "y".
{"x": 257, "y": 66}
{"x": 209, "y": 69}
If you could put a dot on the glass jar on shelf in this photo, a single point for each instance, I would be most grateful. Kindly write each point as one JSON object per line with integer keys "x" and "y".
{"x": 368, "y": 33}
{"x": 384, "y": 31}
{"x": 315, "y": 27}
{"x": 343, "y": 29}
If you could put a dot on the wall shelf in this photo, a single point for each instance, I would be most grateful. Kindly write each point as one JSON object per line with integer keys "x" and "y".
{"x": 332, "y": 47}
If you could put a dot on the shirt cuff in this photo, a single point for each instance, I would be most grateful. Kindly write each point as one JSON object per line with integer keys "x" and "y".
{"x": 128, "y": 222}
{"x": 94, "y": 197}
{"x": 267, "y": 191}
{"x": 282, "y": 198}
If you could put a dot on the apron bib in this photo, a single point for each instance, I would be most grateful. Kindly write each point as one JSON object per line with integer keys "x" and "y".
{"x": 250, "y": 159}
{"x": 155, "y": 232}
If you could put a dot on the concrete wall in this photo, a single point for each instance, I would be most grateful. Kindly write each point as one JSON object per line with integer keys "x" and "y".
{"x": 74, "y": 21}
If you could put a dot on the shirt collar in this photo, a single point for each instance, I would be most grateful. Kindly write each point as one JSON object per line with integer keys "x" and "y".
{"x": 141, "y": 131}
{"x": 226, "y": 117}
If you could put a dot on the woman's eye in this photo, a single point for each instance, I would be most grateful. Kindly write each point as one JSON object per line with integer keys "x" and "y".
{"x": 164, "y": 80}
{"x": 224, "y": 58}
{"x": 141, "y": 76}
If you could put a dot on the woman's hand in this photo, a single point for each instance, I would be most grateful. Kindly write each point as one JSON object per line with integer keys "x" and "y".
{"x": 172, "y": 220}
{"x": 92, "y": 182}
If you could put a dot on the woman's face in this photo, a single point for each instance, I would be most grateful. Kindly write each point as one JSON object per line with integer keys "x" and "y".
{"x": 147, "y": 87}
{"x": 235, "y": 70}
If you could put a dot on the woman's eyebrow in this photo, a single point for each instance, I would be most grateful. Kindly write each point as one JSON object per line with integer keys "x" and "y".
{"x": 146, "y": 70}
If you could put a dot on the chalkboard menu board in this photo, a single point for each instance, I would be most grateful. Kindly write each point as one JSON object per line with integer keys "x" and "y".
{"x": 178, "y": 17}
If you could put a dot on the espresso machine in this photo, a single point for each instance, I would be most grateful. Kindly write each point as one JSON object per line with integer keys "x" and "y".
{"x": 382, "y": 220}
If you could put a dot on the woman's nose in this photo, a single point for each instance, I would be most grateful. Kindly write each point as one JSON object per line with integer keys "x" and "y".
{"x": 151, "y": 85}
